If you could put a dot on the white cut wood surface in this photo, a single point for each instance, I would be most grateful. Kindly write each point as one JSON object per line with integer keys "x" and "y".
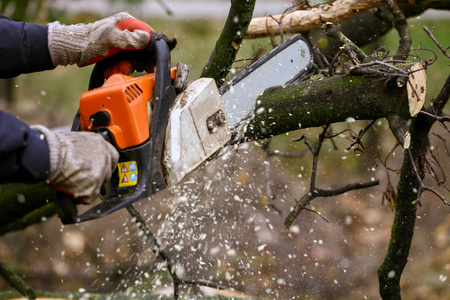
{"x": 417, "y": 88}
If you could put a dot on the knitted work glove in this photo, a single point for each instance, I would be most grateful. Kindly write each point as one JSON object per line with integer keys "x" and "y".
{"x": 139, "y": 61}
{"x": 85, "y": 44}
{"x": 80, "y": 162}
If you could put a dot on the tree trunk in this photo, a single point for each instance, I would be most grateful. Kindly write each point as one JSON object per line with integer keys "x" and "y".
{"x": 230, "y": 39}
{"x": 409, "y": 190}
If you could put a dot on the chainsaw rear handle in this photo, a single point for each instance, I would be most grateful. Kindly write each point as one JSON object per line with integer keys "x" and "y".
{"x": 141, "y": 60}
{"x": 147, "y": 156}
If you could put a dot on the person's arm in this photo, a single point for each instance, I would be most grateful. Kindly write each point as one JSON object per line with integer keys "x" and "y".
{"x": 24, "y": 153}
{"x": 77, "y": 162}
{"x": 23, "y": 48}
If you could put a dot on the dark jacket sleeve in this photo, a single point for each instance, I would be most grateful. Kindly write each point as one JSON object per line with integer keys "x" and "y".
{"x": 24, "y": 153}
{"x": 23, "y": 48}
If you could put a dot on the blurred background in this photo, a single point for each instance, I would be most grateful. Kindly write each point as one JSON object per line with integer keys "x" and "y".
{"x": 217, "y": 225}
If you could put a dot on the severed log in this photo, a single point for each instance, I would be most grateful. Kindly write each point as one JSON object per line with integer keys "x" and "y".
{"x": 417, "y": 88}
{"x": 302, "y": 21}
{"x": 321, "y": 101}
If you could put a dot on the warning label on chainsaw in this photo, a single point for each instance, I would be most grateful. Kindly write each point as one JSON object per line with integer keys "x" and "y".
{"x": 128, "y": 173}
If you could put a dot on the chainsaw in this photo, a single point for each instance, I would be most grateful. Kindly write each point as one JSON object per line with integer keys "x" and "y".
{"x": 161, "y": 137}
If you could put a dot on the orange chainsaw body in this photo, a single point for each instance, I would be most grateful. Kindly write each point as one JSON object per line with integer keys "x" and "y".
{"x": 121, "y": 105}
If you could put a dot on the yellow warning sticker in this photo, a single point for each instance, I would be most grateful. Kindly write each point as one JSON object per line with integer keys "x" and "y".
{"x": 128, "y": 173}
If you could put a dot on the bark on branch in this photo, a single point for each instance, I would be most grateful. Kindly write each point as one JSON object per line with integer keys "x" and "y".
{"x": 16, "y": 282}
{"x": 322, "y": 101}
{"x": 230, "y": 39}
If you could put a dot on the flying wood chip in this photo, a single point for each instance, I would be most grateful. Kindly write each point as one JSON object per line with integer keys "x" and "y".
{"x": 417, "y": 87}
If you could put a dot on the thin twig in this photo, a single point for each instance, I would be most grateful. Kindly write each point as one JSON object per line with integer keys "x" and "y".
{"x": 335, "y": 32}
{"x": 361, "y": 134}
{"x": 303, "y": 137}
{"x": 359, "y": 70}
{"x": 443, "y": 140}
{"x": 430, "y": 34}
{"x": 323, "y": 61}
{"x": 280, "y": 25}
{"x": 345, "y": 189}
{"x": 434, "y": 155}
{"x": 422, "y": 186}
{"x": 314, "y": 192}
{"x": 316, "y": 152}
{"x": 318, "y": 213}
{"x": 156, "y": 248}
{"x": 440, "y": 119}
{"x": 442, "y": 98}
{"x": 389, "y": 194}
{"x": 386, "y": 64}
{"x": 384, "y": 163}
{"x": 443, "y": 199}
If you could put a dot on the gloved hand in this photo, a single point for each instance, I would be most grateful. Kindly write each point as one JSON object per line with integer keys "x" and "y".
{"x": 85, "y": 44}
{"x": 80, "y": 162}
{"x": 139, "y": 61}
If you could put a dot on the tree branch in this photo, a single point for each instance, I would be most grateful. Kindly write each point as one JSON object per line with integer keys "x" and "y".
{"x": 230, "y": 39}
{"x": 430, "y": 34}
{"x": 403, "y": 31}
{"x": 320, "y": 101}
{"x": 16, "y": 282}
{"x": 390, "y": 271}
{"x": 302, "y": 21}
{"x": 314, "y": 192}
{"x": 335, "y": 32}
